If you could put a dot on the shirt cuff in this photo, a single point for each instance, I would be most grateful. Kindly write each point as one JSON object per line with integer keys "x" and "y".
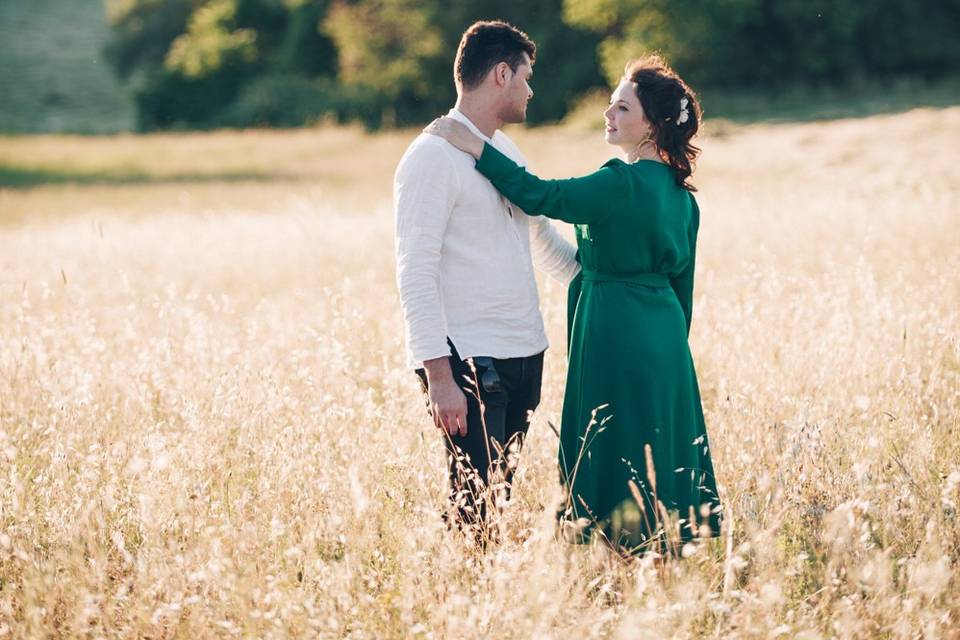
{"x": 423, "y": 353}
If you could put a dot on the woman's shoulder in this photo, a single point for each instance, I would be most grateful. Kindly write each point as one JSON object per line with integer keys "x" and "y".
{"x": 658, "y": 178}
{"x": 616, "y": 163}
{"x": 648, "y": 175}
{"x": 647, "y": 169}
{"x": 618, "y": 168}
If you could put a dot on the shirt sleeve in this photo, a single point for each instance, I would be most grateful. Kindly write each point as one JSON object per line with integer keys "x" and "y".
{"x": 584, "y": 200}
{"x": 424, "y": 193}
{"x": 683, "y": 282}
{"x": 551, "y": 252}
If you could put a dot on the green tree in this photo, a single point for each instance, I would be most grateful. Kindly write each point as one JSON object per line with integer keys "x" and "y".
{"x": 385, "y": 48}
{"x": 143, "y": 30}
{"x": 200, "y": 63}
{"x": 188, "y": 61}
{"x": 212, "y": 42}
{"x": 732, "y": 43}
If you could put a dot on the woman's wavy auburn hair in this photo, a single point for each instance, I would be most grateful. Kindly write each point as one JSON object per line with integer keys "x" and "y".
{"x": 660, "y": 91}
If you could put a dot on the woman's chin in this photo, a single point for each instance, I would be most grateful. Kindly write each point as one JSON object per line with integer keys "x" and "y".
{"x": 610, "y": 137}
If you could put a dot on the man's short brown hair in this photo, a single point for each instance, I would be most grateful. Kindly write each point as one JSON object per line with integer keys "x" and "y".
{"x": 484, "y": 45}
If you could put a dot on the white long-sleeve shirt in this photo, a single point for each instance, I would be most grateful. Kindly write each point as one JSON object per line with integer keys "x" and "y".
{"x": 464, "y": 260}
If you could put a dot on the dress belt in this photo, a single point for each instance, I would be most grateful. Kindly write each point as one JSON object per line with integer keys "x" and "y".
{"x": 648, "y": 279}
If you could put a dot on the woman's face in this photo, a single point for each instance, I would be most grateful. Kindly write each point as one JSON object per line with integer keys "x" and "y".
{"x": 626, "y": 124}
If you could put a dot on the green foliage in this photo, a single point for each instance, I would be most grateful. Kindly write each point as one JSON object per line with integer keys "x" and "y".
{"x": 143, "y": 30}
{"x": 302, "y": 47}
{"x": 725, "y": 43}
{"x": 279, "y": 100}
{"x": 189, "y": 60}
{"x": 389, "y": 62}
{"x": 212, "y": 42}
{"x": 386, "y": 46}
{"x": 291, "y": 100}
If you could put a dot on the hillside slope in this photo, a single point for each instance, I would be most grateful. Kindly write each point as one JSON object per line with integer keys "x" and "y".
{"x": 53, "y": 73}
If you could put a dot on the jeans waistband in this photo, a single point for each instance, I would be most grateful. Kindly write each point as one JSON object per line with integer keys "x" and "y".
{"x": 648, "y": 279}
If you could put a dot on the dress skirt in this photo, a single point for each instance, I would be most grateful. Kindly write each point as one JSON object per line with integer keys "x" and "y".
{"x": 634, "y": 456}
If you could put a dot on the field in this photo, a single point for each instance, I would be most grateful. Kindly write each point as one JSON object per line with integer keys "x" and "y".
{"x": 206, "y": 428}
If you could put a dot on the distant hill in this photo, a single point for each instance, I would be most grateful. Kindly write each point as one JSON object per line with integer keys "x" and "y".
{"x": 53, "y": 77}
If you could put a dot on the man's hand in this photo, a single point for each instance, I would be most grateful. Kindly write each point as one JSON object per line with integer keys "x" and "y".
{"x": 447, "y": 402}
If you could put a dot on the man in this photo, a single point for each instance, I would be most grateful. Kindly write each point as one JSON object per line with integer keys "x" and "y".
{"x": 474, "y": 332}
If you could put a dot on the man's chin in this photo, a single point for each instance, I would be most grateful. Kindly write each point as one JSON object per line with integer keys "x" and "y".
{"x": 516, "y": 118}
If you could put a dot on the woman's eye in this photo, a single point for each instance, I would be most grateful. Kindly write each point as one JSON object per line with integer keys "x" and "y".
{"x": 623, "y": 108}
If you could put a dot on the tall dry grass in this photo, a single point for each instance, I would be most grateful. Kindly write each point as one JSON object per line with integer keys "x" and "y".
{"x": 206, "y": 428}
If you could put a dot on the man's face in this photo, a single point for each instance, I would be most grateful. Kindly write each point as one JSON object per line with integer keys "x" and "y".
{"x": 517, "y": 92}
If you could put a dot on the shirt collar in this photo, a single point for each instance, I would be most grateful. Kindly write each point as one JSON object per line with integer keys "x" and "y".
{"x": 458, "y": 115}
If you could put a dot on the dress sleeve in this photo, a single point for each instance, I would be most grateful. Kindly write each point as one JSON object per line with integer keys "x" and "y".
{"x": 584, "y": 200}
{"x": 683, "y": 282}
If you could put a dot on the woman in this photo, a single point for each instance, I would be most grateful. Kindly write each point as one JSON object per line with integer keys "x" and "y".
{"x": 633, "y": 453}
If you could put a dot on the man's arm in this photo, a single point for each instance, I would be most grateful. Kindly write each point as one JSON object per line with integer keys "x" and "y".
{"x": 424, "y": 192}
{"x": 551, "y": 252}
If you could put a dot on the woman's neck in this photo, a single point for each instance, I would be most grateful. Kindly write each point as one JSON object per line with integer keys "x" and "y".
{"x": 641, "y": 152}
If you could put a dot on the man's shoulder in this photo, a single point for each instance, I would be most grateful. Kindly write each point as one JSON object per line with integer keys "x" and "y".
{"x": 425, "y": 150}
{"x": 500, "y": 136}
{"x": 427, "y": 145}
{"x": 431, "y": 158}
{"x": 507, "y": 144}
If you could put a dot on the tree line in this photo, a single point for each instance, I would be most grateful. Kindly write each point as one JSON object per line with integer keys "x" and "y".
{"x": 205, "y": 63}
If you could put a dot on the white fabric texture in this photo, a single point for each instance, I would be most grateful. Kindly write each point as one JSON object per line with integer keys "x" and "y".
{"x": 465, "y": 255}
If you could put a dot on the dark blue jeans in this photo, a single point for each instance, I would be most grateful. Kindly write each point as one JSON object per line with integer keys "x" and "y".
{"x": 495, "y": 432}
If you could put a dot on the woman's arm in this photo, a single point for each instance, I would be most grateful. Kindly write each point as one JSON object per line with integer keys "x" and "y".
{"x": 582, "y": 200}
{"x": 683, "y": 283}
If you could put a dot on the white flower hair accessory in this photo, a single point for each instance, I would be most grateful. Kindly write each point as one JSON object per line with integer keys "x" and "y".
{"x": 684, "y": 112}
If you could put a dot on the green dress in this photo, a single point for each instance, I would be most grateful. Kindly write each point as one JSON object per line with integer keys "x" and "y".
{"x": 630, "y": 380}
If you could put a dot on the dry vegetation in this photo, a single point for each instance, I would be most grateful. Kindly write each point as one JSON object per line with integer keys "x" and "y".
{"x": 206, "y": 428}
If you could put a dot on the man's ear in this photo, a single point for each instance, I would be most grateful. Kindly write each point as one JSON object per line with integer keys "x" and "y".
{"x": 502, "y": 73}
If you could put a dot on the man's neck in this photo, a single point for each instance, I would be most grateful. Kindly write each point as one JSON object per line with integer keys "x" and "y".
{"x": 480, "y": 114}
